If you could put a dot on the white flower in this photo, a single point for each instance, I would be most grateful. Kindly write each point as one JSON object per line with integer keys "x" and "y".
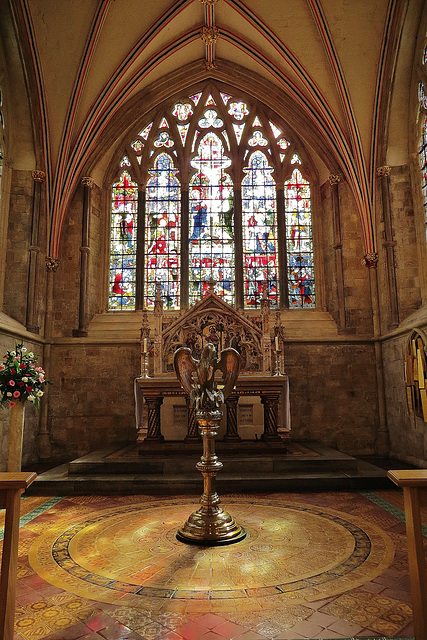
{"x": 9, "y": 395}
{"x": 24, "y": 349}
{"x": 25, "y": 379}
{"x": 39, "y": 393}
{"x": 31, "y": 398}
{"x": 31, "y": 354}
{"x": 13, "y": 353}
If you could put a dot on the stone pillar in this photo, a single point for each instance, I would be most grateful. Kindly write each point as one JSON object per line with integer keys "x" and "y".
{"x": 282, "y": 248}
{"x": 154, "y": 433}
{"x": 84, "y": 260}
{"x": 334, "y": 181}
{"x": 382, "y": 442}
{"x": 271, "y": 415}
{"x": 31, "y": 320}
{"x": 193, "y": 429}
{"x": 384, "y": 174}
{"x": 232, "y": 426}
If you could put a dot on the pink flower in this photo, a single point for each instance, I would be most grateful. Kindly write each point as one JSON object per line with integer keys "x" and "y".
{"x": 16, "y": 394}
{"x": 11, "y": 383}
{"x": 11, "y": 403}
{"x": 29, "y": 389}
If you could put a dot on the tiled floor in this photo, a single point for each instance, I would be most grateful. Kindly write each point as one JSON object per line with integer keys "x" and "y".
{"x": 327, "y": 565}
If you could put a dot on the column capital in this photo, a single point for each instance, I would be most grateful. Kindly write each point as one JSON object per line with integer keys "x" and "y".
{"x": 38, "y": 176}
{"x": 52, "y": 263}
{"x": 334, "y": 178}
{"x": 384, "y": 171}
{"x": 87, "y": 181}
{"x": 370, "y": 260}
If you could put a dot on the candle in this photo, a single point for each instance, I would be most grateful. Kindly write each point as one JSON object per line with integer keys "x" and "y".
{"x": 277, "y": 343}
{"x": 145, "y": 345}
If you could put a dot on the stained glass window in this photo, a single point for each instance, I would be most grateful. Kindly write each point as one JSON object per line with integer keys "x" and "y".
{"x": 162, "y": 234}
{"x": 209, "y": 140}
{"x": 299, "y": 241}
{"x": 123, "y": 243}
{"x": 259, "y": 231}
{"x": 211, "y": 221}
{"x": 423, "y": 163}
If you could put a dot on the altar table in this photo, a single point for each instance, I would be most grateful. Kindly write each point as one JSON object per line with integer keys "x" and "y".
{"x": 271, "y": 390}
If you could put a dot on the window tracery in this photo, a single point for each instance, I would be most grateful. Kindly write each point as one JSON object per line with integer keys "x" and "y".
{"x": 191, "y": 160}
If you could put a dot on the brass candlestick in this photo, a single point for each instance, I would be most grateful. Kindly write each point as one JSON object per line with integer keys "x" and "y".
{"x": 210, "y": 524}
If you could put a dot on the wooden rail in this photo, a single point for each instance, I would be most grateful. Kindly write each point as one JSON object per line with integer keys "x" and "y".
{"x": 12, "y": 485}
{"x": 414, "y": 485}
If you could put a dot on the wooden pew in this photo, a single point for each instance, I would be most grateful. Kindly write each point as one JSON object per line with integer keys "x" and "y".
{"x": 12, "y": 485}
{"x": 414, "y": 485}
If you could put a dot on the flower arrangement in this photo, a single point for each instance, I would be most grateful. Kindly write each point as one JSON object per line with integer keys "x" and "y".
{"x": 20, "y": 378}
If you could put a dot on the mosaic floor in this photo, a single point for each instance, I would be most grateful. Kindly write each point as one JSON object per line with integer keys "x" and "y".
{"x": 329, "y": 565}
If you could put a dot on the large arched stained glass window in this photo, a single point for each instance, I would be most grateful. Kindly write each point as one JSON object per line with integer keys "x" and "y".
{"x": 162, "y": 234}
{"x": 422, "y": 96}
{"x": 299, "y": 240}
{"x": 214, "y": 161}
{"x": 123, "y": 243}
{"x": 259, "y": 231}
{"x": 211, "y": 241}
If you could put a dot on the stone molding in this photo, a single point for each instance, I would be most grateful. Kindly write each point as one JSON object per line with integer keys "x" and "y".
{"x": 38, "y": 176}
{"x": 334, "y": 179}
{"x": 87, "y": 181}
{"x": 370, "y": 260}
{"x": 209, "y": 35}
{"x": 384, "y": 171}
{"x": 52, "y": 263}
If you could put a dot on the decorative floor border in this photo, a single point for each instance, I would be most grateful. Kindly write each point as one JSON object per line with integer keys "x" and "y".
{"x": 28, "y": 517}
{"x": 395, "y": 511}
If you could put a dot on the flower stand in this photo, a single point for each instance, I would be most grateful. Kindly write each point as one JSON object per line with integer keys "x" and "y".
{"x": 16, "y": 432}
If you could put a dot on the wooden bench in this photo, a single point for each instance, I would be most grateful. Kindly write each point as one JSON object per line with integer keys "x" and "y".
{"x": 414, "y": 485}
{"x": 12, "y": 485}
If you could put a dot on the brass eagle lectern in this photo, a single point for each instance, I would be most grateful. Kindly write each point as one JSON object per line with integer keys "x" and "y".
{"x": 210, "y": 524}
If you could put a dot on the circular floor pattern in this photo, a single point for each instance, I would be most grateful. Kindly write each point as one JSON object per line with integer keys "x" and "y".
{"x": 293, "y": 551}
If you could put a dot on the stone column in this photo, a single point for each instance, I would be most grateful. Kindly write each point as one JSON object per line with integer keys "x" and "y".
{"x": 384, "y": 174}
{"x": 84, "y": 260}
{"x": 231, "y": 434}
{"x": 192, "y": 430}
{"x": 154, "y": 433}
{"x": 34, "y": 249}
{"x": 334, "y": 181}
{"x": 382, "y": 437}
{"x": 271, "y": 414}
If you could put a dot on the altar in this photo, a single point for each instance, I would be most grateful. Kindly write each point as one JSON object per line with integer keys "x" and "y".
{"x": 260, "y": 344}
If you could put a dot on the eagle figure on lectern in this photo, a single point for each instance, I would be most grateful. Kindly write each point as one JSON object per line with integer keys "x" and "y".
{"x": 203, "y": 391}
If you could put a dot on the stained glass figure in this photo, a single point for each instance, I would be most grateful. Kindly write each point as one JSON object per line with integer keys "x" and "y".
{"x": 162, "y": 234}
{"x": 210, "y": 119}
{"x": 163, "y": 140}
{"x": 182, "y": 110}
{"x": 227, "y": 141}
{"x": 125, "y": 162}
{"x": 123, "y": 243}
{"x": 423, "y": 163}
{"x": 238, "y": 110}
{"x": 211, "y": 221}
{"x": 296, "y": 159}
{"x": 422, "y": 95}
{"x": 145, "y": 132}
{"x": 299, "y": 242}
{"x": 238, "y": 130}
{"x": 258, "y": 139}
{"x": 276, "y": 131}
{"x": 259, "y": 231}
{"x": 196, "y": 97}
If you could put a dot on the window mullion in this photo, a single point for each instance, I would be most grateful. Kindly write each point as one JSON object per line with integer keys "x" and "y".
{"x": 184, "y": 246}
{"x": 282, "y": 249}
{"x": 140, "y": 249}
{"x": 238, "y": 247}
